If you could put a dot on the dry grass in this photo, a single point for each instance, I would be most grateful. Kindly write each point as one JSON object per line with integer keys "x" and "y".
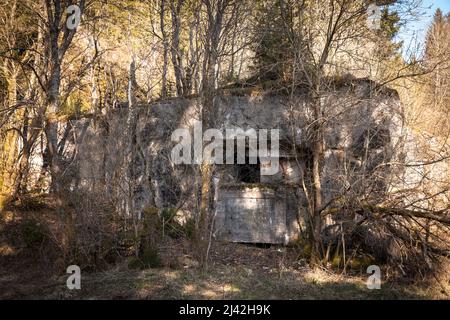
{"x": 236, "y": 271}
{"x": 225, "y": 279}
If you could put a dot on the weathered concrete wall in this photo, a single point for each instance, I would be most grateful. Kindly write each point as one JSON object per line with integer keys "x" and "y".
{"x": 256, "y": 214}
{"x": 362, "y": 126}
{"x": 424, "y": 178}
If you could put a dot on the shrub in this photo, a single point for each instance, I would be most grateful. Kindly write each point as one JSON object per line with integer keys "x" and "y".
{"x": 189, "y": 228}
{"x": 148, "y": 258}
{"x": 25, "y": 203}
{"x": 164, "y": 221}
{"x": 33, "y": 234}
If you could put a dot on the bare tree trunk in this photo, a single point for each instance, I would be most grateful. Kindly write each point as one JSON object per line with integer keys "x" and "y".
{"x": 51, "y": 123}
{"x": 316, "y": 175}
{"x": 215, "y": 12}
{"x": 131, "y": 150}
{"x": 11, "y": 144}
{"x": 56, "y": 44}
{"x": 177, "y": 59}
{"x": 21, "y": 181}
{"x": 165, "y": 50}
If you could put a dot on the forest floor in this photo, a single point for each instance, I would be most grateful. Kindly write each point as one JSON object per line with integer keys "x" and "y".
{"x": 235, "y": 271}
{"x": 225, "y": 279}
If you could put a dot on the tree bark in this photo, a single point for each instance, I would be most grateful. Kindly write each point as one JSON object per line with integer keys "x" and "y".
{"x": 177, "y": 60}
{"x": 215, "y": 13}
{"x": 165, "y": 50}
{"x": 316, "y": 175}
